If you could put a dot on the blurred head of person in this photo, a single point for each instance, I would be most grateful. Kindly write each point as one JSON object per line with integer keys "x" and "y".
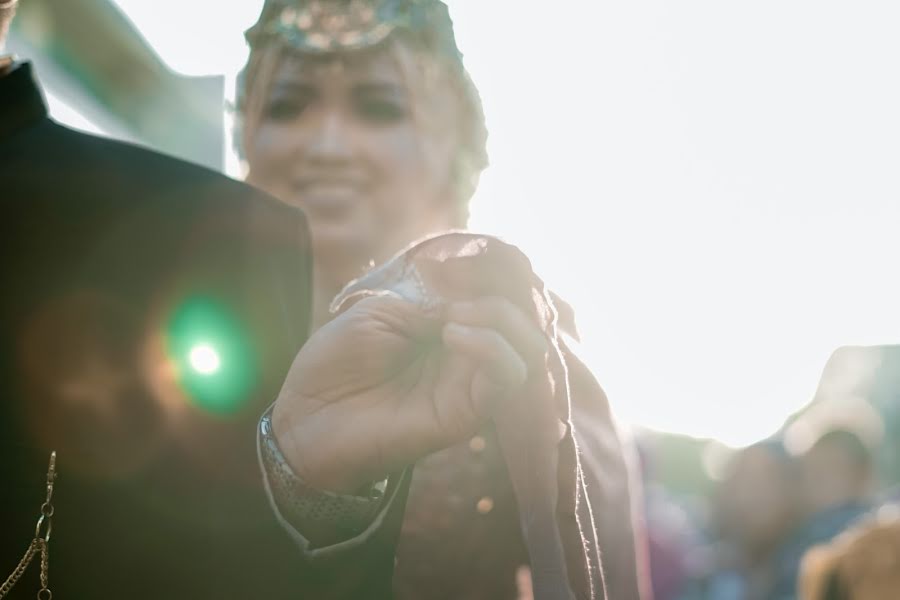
{"x": 837, "y": 471}
{"x": 7, "y": 10}
{"x": 863, "y": 563}
{"x": 756, "y": 504}
{"x": 361, "y": 113}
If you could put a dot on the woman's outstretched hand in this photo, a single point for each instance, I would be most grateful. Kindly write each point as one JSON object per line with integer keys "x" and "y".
{"x": 384, "y": 384}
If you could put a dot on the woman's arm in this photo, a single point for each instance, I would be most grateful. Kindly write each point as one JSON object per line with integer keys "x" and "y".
{"x": 346, "y": 541}
{"x": 455, "y": 332}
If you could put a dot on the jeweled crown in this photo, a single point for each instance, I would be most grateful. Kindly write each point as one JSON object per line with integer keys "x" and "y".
{"x": 322, "y": 26}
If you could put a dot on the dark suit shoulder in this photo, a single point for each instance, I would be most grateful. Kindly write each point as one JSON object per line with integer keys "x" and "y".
{"x": 52, "y": 157}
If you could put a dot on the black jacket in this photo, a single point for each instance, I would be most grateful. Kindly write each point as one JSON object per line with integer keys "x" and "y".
{"x": 117, "y": 264}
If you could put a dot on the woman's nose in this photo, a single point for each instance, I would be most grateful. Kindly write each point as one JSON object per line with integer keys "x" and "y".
{"x": 331, "y": 140}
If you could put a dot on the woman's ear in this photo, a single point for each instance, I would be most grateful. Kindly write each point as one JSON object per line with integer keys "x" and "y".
{"x": 818, "y": 574}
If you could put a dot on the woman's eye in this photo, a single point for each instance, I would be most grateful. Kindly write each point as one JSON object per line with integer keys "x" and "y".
{"x": 285, "y": 109}
{"x": 381, "y": 111}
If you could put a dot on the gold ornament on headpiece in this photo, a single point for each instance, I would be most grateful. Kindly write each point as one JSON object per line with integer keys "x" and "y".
{"x": 324, "y": 26}
{"x": 321, "y": 26}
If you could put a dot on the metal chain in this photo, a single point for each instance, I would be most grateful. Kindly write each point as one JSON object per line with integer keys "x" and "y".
{"x": 20, "y": 569}
{"x": 44, "y": 593}
{"x": 40, "y": 542}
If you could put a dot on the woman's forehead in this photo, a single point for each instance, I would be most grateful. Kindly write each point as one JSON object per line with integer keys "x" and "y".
{"x": 374, "y": 64}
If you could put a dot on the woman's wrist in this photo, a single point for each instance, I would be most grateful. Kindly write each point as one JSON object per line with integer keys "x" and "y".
{"x": 319, "y": 458}
{"x": 321, "y": 517}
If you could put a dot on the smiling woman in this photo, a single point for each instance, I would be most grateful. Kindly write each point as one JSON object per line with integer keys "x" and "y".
{"x": 379, "y": 147}
{"x": 340, "y": 139}
{"x": 733, "y": 200}
{"x": 361, "y": 112}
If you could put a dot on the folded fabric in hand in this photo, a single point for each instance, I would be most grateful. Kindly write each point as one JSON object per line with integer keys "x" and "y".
{"x": 537, "y": 432}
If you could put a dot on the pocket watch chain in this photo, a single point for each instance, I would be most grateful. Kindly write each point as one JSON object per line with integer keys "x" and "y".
{"x": 40, "y": 543}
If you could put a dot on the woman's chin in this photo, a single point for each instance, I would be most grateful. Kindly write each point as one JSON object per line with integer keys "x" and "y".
{"x": 342, "y": 245}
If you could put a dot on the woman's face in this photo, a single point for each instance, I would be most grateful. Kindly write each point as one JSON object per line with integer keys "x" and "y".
{"x": 342, "y": 139}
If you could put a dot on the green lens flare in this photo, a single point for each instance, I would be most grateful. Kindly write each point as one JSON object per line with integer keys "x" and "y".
{"x": 215, "y": 359}
{"x": 204, "y": 359}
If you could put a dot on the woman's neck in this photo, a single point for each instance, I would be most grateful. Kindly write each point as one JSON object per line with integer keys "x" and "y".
{"x": 335, "y": 267}
{"x": 323, "y": 292}
{"x": 329, "y": 279}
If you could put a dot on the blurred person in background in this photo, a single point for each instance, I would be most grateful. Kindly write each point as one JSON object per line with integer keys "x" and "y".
{"x": 104, "y": 246}
{"x": 362, "y": 113}
{"x": 863, "y": 563}
{"x": 838, "y": 486}
{"x": 755, "y": 507}
{"x": 838, "y": 475}
{"x": 672, "y": 536}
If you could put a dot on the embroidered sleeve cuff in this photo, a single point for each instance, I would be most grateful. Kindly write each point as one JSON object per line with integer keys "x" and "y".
{"x": 321, "y": 522}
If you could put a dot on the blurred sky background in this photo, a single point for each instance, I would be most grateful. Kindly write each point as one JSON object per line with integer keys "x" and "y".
{"x": 714, "y": 186}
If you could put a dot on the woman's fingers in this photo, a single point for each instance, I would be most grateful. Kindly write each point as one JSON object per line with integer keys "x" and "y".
{"x": 495, "y": 357}
{"x": 507, "y": 319}
{"x": 391, "y": 312}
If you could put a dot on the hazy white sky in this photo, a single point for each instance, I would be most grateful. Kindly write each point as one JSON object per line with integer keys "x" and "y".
{"x": 713, "y": 185}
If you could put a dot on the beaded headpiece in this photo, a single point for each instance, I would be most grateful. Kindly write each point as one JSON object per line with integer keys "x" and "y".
{"x": 323, "y": 26}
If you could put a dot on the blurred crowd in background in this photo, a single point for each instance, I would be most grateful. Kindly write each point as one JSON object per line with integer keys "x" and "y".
{"x": 811, "y": 513}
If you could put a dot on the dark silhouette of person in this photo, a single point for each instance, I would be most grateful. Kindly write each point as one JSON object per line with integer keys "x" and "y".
{"x": 149, "y": 313}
